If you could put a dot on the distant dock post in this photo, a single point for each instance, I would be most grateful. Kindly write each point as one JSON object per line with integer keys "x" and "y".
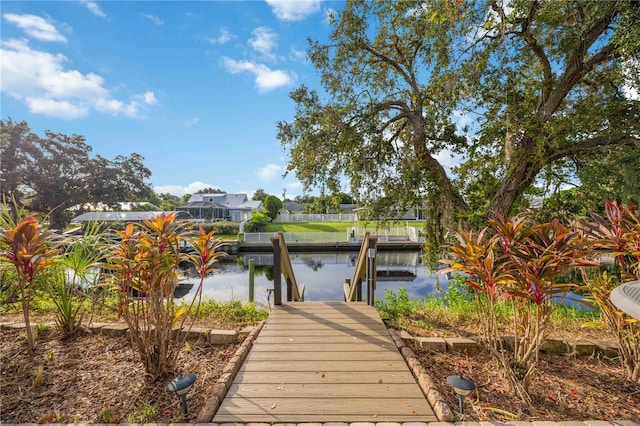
{"x": 251, "y": 280}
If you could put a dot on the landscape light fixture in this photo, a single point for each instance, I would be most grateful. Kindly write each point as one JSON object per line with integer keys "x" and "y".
{"x": 180, "y": 386}
{"x": 462, "y": 387}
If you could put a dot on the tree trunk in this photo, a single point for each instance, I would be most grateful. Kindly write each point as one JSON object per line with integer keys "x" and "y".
{"x": 520, "y": 175}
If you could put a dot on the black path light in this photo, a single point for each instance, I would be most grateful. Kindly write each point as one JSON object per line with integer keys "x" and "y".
{"x": 180, "y": 386}
{"x": 462, "y": 387}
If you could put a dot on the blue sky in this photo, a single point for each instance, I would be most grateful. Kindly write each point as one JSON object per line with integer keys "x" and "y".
{"x": 195, "y": 87}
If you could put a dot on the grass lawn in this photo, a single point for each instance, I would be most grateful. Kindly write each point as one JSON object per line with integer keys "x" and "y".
{"x": 329, "y": 226}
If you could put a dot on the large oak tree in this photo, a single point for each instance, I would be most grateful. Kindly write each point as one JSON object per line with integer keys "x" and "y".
{"x": 50, "y": 174}
{"x": 540, "y": 83}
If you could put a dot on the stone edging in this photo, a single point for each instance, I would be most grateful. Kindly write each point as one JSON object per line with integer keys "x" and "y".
{"x": 426, "y": 383}
{"x": 494, "y": 423}
{"x": 219, "y": 391}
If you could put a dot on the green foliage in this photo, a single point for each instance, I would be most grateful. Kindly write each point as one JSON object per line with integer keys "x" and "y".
{"x": 56, "y": 172}
{"x": 232, "y": 313}
{"x": 260, "y": 195}
{"x": 145, "y": 413}
{"x": 542, "y": 82}
{"x": 220, "y": 228}
{"x": 397, "y": 305}
{"x": 68, "y": 305}
{"x": 258, "y": 222}
{"x": 272, "y": 205}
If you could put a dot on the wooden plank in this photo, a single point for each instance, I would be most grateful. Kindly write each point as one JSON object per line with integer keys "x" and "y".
{"x": 337, "y": 406}
{"x": 306, "y": 377}
{"x": 326, "y": 356}
{"x": 326, "y": 390}
{"x": 326, "y": 340}
{"x": 322, "y": 330}
{"x": 326, "y": 366}
{"x": 296, "y": 346}
{"x": 321, "y": 418}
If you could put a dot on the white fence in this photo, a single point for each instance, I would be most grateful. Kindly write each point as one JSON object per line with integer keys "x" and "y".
{"x": 399, "y": 233}
{"x": 297, "y": 237}
{"x": 303, "y": 217}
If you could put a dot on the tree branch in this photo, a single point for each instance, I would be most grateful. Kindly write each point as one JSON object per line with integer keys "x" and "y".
{"x": 590, "y": 144}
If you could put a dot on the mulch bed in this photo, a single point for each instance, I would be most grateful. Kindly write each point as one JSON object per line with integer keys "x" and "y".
{"x": 94, "y": 378}
{"x": 566, "y": 387}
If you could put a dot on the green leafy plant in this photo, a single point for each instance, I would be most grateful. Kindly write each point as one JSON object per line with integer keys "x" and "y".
{"x": 513, "y": 261}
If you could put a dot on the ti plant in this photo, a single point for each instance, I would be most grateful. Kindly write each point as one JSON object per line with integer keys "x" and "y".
{"x": 517, "y": 262}
{"x": 145, "y": 273}
{"x": 30, "y": 250}
{"x": 618, "y": 235}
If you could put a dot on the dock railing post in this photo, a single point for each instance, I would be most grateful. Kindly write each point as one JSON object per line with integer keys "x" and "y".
{"x": 277, "y": 271}
{"x": 372, "y": 270}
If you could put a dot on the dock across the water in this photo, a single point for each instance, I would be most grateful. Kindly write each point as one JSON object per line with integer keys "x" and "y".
{"x": 324, "y": 362}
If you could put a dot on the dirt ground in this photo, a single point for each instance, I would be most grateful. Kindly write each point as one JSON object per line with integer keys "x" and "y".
{"x": 93, "y": 378}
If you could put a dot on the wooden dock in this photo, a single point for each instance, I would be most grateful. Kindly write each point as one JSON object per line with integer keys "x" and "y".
{"x": 323, "y": 362}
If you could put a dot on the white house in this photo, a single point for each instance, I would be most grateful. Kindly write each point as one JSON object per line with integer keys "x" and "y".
{"x": 233, "y": 207}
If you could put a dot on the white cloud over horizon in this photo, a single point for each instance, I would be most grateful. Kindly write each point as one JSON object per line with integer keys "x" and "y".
{"x": 35, "y": 26}
{"x": 41, "y": 81}
{"x": 269, "y": 172}
{"x": 288, "y": 10}
{"x": 94, "y": 8}
{"x": 180, "y": 190}
{"x": 266, "y": 79}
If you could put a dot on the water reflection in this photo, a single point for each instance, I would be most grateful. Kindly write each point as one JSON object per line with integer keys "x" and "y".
{"x": 323, "y": 275}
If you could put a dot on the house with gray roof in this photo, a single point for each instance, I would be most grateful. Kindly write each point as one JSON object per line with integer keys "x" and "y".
{"x": 233, "y": 207}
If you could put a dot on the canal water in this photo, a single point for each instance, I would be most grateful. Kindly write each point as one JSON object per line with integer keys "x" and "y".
{"x": 323, "y": 275}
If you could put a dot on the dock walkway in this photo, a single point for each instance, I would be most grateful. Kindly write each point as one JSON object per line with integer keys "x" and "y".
{"x": 324, "y": 362}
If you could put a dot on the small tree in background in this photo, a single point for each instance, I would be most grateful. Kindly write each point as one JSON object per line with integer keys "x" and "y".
{"x": 272, "y": 205}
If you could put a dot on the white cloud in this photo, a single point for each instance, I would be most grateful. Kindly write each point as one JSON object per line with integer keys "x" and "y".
{"x": 180, "y": 190}
{"x": 293, "y": 10}
{"x": 153, "y": 18}
{"x": 298, "y": 55}
{"x": 269, "y": 172}
{"x": 192, "y": 122}
{"x": 266, "y": 78}
{"x": 35, "y": 26}
{"x": 223, "y": 37}
{"x": 93, "y": 8}
{"x": 41, "y": 81}
{"x": 264, "y": 40}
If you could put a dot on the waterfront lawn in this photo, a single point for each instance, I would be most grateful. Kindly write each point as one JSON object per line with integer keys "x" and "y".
{"x": 309, "y": 227}
{"x": 333, "y": 226}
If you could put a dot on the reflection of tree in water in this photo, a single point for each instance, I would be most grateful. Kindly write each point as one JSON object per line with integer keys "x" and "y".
{"x": 265, "y": 270}
{"x": 312, "y": 263}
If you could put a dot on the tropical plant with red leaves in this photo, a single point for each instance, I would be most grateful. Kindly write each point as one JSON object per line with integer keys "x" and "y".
{"x": 516, "y": 262}
{"x": 145, "y": 272}
{"x": 30, "y": 250}
{"x": 617, "y": 234}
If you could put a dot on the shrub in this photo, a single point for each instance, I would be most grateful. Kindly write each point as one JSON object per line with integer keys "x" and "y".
{"x": 144, "y": 266}
{"x": 30, "y": 250}
{"x": 517, "y": 263}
